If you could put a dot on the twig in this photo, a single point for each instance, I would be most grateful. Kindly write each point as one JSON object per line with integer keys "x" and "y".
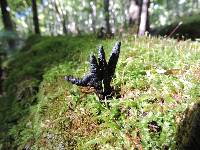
{"x": 174, "y": 30}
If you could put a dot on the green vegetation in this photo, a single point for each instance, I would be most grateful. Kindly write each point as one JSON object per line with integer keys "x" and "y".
{"x": 156, "y": 79}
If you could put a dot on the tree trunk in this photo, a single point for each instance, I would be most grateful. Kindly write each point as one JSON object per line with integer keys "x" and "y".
{"x": 7, "y": 21}
{"x": 195, "y": 4}
{"x": 107, "y": 16}
{"x": 2, "y": 57}
{"x": 35, "y": 17}
{"x": 134, "y": 10}
{"x": 125, "y": 7}
{"x": 61, "y": 15}
{"x": 177, "y": 9}
{"x": 167, "y": 3}
{"x": 6, "y": 15}
{"x": 144, "y": 18}
{"x": 93, "y": 14}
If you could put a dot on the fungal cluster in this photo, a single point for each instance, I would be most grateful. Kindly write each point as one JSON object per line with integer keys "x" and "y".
{"x": 101, "y": 73}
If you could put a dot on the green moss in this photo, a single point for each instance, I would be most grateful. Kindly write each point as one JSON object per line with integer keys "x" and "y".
{"x": 155, "y": 78}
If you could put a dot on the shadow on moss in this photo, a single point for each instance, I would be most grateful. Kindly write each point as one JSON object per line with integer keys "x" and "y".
{"x": 188, "y": 133}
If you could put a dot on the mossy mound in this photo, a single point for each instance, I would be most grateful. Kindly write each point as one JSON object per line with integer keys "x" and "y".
{"x": 157, "y": 80}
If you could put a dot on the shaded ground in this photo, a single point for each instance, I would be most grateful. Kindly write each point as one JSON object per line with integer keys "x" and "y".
{"x": 188, "y": 136}
{"x": 189, "y": 29}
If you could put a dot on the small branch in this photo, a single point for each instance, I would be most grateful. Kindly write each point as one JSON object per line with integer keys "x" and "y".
{"x": 174, "y": 30}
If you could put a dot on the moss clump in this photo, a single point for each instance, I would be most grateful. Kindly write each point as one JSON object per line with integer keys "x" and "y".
{"x": 25, "y": 71}
{"x": 157, "y": 80}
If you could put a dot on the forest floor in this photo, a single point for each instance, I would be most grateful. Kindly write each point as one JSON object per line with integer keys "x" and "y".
{"x": 157, "y": 82}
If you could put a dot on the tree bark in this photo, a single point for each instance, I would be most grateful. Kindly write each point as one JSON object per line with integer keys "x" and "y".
{"x": 177, "y": 9}
{"x": 144, "y": 18}
{"x": 35, "y": 17}
{"x": 93, "y": 14}
{"x": 6, "y": 15}
{"x": 2, "y": 57}
{"x": 107, "y": 16}
{"x": 61, "y": 15}
{"x": 8, "y": 26}
{"x": 195, "y": 4}
{"x": 134, "y": 11}
{"x": 125, "y": 7}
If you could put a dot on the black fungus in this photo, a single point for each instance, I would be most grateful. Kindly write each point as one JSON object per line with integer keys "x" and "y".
{"x": 101, "y": 73}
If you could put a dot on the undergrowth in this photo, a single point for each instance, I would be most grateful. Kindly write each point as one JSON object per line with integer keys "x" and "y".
{"x": 156, "y": 81}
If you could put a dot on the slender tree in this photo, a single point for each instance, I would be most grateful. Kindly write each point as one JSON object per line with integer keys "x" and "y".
{"x": 61, "y": 14}
{"x": 134, "y": 11}
{"x": 35, "y": 17}
{"x": 8, "y": 25}
{"x": 177, "y": 8}
{"x": 195, "y": 4}
{"x": 93, "y": 12}
{"x": 2, "y": 57}
{"x": 144, "y": 18}
{"x": 124, "y": 7}
{"x": 107, "y": 16}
